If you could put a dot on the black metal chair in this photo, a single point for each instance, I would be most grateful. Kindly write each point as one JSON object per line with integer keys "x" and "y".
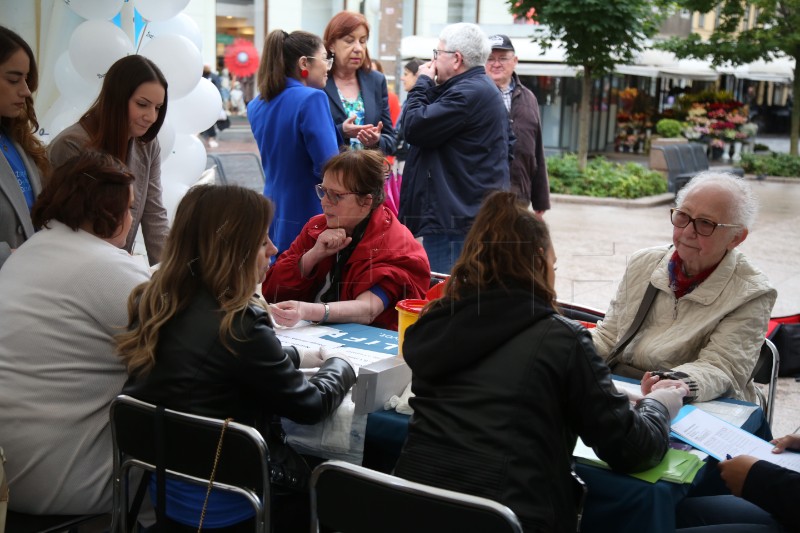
{"x": 352, "y": 499}
{"x": 238, "y": 168}
{"x": 29, "y": 523}
{"x": 766, "y": 373}
{"x": 580, "y": 312}
{"x": 152, "y": 438}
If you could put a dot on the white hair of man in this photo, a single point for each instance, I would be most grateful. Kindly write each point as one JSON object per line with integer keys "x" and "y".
{"x": 469, "y": 40}
{"x": 743, "y": 205}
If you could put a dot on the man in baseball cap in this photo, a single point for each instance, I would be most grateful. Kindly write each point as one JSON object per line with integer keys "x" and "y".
{"x": 528, "y": 168}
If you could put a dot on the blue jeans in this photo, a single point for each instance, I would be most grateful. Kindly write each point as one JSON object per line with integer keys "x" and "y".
{"x": 442, "y": 250}
{"x": 724, "y": 514}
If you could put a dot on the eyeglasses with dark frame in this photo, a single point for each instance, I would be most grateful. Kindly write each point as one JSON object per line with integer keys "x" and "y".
{"x": 328, "y": 60}
{"x": 502, "y": 59}
{"x": 702, "y": 226}
{"x": 436, "y": 53}
{"x": 333, "y": 197}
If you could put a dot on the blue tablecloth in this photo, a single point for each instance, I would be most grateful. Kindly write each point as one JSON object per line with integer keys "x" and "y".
{"x": 616, "y": 503}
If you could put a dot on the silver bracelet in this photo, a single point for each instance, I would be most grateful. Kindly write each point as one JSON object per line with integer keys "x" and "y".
{"x": 325, "y": 316}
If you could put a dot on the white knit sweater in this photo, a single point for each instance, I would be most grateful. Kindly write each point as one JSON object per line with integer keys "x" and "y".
{"x": 63, "y": 296}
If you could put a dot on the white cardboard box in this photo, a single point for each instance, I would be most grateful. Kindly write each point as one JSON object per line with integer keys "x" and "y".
{"x": 379, "y": 381}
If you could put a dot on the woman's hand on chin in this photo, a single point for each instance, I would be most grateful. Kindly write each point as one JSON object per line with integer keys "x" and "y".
{"x": 331, "y": 241}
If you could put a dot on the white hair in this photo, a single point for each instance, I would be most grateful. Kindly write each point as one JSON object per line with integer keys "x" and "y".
{"x": 469, "y": 40}
{"x": 742, "y": 203}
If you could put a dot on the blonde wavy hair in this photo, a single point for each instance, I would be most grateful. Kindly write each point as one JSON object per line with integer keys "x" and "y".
{"x": 212, "y": 246}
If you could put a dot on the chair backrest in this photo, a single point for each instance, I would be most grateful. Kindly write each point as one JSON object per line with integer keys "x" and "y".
{"x": 700, "y": 156}
{"x": 238, "y": 168}
{"x": 579, "y": 312}
{"x": 766, "y": 373}
{"x": 28, "y": 523}
{"x": 353, "y": 499}
{"x": 189, "y": 446}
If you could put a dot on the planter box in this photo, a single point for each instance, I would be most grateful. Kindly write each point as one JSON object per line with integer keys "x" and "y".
{"x": 657, "y": 161}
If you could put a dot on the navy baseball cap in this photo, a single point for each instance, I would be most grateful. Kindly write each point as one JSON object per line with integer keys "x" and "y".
{"x": 501, "y": 42}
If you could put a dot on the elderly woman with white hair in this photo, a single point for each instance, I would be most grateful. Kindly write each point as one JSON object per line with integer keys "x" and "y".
{"x": 696, "y": 310}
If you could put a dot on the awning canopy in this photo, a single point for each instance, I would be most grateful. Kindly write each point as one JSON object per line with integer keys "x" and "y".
{"x": 779, "y": 70}
{"x": 650, "y": 63}
{"x": 654, "y": 63}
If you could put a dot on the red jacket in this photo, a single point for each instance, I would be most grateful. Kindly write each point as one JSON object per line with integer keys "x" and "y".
{"x": 387, "y": 256}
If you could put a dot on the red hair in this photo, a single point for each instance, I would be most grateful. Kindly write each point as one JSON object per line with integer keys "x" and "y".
{"x": 342, "y": 24}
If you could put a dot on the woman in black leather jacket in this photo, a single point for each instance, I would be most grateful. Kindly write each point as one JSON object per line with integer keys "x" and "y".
{"x": 504, "y": 384}
{"x": 199, "y": 341}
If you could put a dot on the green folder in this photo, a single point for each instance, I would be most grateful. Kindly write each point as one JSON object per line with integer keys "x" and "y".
{"x": 678, "y": 466}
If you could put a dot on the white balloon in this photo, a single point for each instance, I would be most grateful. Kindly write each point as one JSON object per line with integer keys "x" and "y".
{"x": 95, "y": 9}
{"x": 171, "y": 194}
{"x": 60, "y": 116}
{"x": 166, "y": 139}
{"x": 94, "y": 46}
{"x": 187, "y": 162}
{"x": 179, "y": 60}
{"x": 72, "y": 85}
{"x": 153, "y": 10}
{"x": 196, "y": 111}
{"x": 181, "y": 24}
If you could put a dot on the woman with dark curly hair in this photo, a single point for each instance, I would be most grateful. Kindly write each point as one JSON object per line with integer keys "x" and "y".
{"x": 64, "y": 298}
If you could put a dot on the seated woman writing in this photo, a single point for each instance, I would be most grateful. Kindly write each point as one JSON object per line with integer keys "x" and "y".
{"x": 710, "y": 306}
{"x": 355, "y": 261}
{"x": 504, "y": 385}
{"x": 201, "y": 342}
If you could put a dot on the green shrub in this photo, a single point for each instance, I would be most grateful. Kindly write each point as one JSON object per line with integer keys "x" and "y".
{"x": 667, "y": 127}
{"x": 603, "y": 178}
{"x": 771, "y": 164}
{"x": 758, "y": 147}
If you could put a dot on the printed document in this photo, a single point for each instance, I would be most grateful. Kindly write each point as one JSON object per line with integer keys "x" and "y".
{"x": 720, "y": 439}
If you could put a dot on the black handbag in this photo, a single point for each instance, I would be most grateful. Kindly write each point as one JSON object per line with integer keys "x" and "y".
{"x": 288, "y": 470}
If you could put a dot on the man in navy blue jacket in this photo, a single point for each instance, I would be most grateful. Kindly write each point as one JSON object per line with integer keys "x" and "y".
{"x": 458, "y": 129}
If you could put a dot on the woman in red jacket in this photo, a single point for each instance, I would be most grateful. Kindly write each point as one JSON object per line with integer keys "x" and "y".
{"x": 353, "y": 262}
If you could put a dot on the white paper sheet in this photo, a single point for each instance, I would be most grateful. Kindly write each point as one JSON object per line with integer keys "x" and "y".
{"x": 720, "y": 439}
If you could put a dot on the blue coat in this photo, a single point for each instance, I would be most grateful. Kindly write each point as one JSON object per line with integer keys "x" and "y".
{"x": 459, "y": 137}
{"x": 295, "y": 136}
{"x": 376, "y": 106}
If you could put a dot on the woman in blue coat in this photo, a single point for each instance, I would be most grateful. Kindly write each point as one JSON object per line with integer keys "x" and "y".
{"x": 292, "y": 124}
{"x": 358, "y": 96}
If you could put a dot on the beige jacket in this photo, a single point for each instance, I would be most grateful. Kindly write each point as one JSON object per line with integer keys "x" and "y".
{"x": 144, "y": 161}
{"x": 714, "y": 333}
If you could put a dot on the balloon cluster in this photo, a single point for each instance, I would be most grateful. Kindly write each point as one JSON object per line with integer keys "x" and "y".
{"x": 172, "y": 41}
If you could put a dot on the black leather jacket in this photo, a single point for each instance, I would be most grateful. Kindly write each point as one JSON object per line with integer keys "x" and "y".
{"x": 503, "y": 386}
{"x": 196, "y": 373}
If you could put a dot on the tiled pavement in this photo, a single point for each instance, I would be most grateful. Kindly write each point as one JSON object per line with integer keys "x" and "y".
{"x": 593, "y": 243}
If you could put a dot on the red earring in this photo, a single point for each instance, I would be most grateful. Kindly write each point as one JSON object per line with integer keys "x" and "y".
{"x": 304, "y": 73}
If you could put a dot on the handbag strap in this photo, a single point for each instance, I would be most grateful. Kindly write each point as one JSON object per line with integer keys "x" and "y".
{"x": 644, "y": 307}
{"x": 213, "y": 474}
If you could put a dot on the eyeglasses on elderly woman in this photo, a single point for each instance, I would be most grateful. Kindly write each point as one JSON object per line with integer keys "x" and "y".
{"x": 333, "y": 197}
{"x": 702, "y": 226}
